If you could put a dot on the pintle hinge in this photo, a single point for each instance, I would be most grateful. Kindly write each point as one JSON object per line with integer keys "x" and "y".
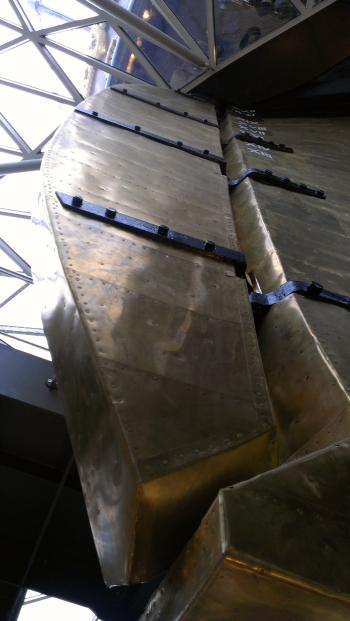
{"x": 270, "y": 178}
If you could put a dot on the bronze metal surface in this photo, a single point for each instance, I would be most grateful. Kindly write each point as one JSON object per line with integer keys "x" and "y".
{"x": 274, "y": 548}
{"x": 155, "y": 348}
{"x": 304, "y": 344}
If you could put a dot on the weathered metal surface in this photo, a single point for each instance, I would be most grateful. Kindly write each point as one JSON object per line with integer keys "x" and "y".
{"x": 154, "y": 347}
{"x": 286, "y": 236}
{"x": 272, "y": 548}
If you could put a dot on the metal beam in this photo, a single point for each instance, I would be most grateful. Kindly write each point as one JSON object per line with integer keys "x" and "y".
{"x": 22, "y": 166}
{"x": 211, "y": 32}
{"x": 9, "y": 45}
{"x": 10, "y": 130}
{"x": 12, "y": 274}
{"x": 36, "y": 91}
{"x": 94, "y": 62}
{"x": 14, "y": 294}
{"x": 143, "y": 60}
{"x": 146, "y": 30}
{"x": 178, "y": 27}
{"x": 15, "y": 213}
{"x": 4, "y": 22}
{"x": 15, "y": 257}
{"x": 22, "y": 330}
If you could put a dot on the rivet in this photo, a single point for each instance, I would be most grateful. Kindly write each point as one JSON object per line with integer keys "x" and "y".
{"x": 209, "y": 246}
{"x": 77, "y": 201}
{"x": 111, "y": 212}
{"x": 163, "y": 230}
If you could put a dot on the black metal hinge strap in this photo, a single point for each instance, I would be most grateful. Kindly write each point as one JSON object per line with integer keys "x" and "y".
{"x": 160, "y": 106}
{"x": 268, "y": 144}
{"x": 137, "y": 129}
{"x": 310, "y": 290}
{"x": 269, "y": 178}
{"x": 159, "y": 232}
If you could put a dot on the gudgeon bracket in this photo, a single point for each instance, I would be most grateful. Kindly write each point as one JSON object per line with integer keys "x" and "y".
{"x": 205, "y": 154}
{"x": 161, "y": 106}
{"x": 159, "y": 232}
{"x": 269, "y": 178}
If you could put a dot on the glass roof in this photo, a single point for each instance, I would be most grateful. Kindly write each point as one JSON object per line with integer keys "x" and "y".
{"x": 55, "y": 53}
{"x": 38, "y": 607}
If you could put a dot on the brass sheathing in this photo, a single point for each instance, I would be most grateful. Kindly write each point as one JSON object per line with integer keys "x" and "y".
{"x": 306, "y": 366}
{"x": 155, "y": 347}
{"x": 272, "y": 548}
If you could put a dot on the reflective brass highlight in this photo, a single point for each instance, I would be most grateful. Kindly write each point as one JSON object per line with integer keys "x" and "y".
{"x": 272, "y": 548}
{"x": 155, "y": 347}
{"x": 304, "y": 344}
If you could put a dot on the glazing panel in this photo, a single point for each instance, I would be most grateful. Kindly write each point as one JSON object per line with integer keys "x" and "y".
{"x": 239, "y": 24}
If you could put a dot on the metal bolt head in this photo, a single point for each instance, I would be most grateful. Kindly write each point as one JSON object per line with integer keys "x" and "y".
{"x": 179, "y": 143}
{"x": 125, "y": 91}
{"x": 158, "y": 104}
{"x": 206, "y": 151}
{"x": 77, "y": 201}
{"x": 110, "y": 212}
{"x": 163, "y": 230}
{"x": 185, "y": 113}
{"x": 205, "y": 120}
{"x": 51, "y": 383}
{"x": 209, "y": 246}
{"x": 315, "y": 288}
{"x": 137, "y": 128}
{"x": 94, "y": 113}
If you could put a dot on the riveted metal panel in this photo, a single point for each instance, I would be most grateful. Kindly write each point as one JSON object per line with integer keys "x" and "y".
{"x": 155, "y": 347}
{"x": 287, "y": 236}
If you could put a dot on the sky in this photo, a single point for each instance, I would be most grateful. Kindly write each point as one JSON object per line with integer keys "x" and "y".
{"x": 53, "y": 609}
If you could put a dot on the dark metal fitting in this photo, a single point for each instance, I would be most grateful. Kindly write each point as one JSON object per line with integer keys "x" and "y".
{"x": 125, "y": 91}
{"x": 209, "y": 246}
{"x": 51, "y": 383}
{"x": 315, "y": 288}
{"x": 94, "y": 113}
{"x": 320, "y": 193}
{"x": 205, "y": 120}
{"x": 268, "y": 172}
{"x": 158, "y": 104}
{"x": 137, "y": 128}
{"x": 185, "y": 113}
{"x": 285, "y": 180}
{"x": 179, "y": 143}
{"x": 77, "y": 201}
{"x": 163, "y": 230}
{"x": 206, "y": 151}
{"x": 111, "y": 212}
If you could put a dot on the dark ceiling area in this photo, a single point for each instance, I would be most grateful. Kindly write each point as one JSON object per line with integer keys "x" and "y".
{"x": 45, "y": 540}
{"x": 287, "y": 62}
